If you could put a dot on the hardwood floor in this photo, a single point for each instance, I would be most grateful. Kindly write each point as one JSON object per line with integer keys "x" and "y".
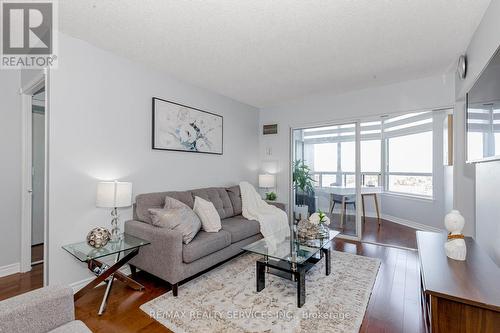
{"x": 20, "y": 283}
{"x": 394, "y": 305}
{"x": 388, "y": 233}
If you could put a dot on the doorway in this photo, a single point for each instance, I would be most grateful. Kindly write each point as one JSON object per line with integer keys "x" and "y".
{"x": 34, "y": 211}
{"x": 325, "y": 175}
{"x": 38, "y": 176}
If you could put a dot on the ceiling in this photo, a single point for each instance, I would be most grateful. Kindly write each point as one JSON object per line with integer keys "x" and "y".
{"x": 262, "y": 52}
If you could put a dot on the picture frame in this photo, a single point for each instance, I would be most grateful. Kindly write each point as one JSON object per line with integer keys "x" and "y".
{"x": 178, "y": 127}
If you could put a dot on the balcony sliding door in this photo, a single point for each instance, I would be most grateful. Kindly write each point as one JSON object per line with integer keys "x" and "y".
{"x": 325, "y": 175}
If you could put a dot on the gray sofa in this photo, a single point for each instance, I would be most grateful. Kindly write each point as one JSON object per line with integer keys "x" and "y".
{"x": 171, "y": 260}
{"x": 49, "y": 309}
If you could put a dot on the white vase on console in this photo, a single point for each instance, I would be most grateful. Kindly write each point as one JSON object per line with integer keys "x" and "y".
{"x": 455, "y": 247}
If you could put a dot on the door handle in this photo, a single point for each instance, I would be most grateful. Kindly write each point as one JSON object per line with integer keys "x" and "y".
{"x": 30, "y": 191}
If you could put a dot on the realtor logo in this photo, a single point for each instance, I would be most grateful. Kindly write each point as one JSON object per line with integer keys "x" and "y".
{"x": 28, "y": 34}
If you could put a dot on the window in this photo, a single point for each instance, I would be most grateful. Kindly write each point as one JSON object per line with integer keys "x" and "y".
{"x": 371, "y": 153}
{"x": 396, "y": 154}
{"x": 325, "y": 157}
{"x": 409, "y": 155}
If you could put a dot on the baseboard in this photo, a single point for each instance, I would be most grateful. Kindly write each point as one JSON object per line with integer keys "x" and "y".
{"x": 411, "y": 224}
{"x": 82, "y": 283}
{"x": 408, "y": 223}
{"x": 10, "y": 269}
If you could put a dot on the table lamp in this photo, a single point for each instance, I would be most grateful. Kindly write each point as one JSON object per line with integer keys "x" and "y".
{"x": 267, "y": 181}
{"x": 114, "y": 195}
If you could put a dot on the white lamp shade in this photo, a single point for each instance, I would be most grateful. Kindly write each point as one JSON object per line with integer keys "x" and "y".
{"x": 266, "y": 181}
{"x": 114, "y": 194}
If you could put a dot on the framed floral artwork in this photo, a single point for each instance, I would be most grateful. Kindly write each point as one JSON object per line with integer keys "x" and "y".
{"x": 179, "y": 127}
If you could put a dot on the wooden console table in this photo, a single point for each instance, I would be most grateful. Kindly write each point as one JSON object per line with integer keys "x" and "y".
{"x": 458, "y": 296}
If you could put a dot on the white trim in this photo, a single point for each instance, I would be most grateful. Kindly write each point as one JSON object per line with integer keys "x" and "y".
{"x": 10, "y": 269}
{"x": 397, "y": 220}
{"x": 389, "y": 245}
{"x": 46, "y": 72}
{"x": 357, "y": 177}
{"x": 408, "y": 223}
{"x": 82, "y": 283}
{"x": 408, "y": 196}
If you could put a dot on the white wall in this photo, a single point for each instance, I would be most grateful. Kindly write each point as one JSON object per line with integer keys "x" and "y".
{"x": 10, "y": 168}
{"x": 427, "y": 93}
{"x": 100, "y": 128}
{"x": 476, "y": 187}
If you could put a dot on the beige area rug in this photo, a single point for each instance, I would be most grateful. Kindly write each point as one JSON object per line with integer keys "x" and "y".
{"x": 225, "y": 299}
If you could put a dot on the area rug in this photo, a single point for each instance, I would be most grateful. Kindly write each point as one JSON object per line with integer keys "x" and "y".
{"x": 225, "y": 299}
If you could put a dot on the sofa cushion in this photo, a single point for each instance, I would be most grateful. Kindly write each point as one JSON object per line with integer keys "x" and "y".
{"x": 240, "y": 228}
{"x": 210, "y": 219}
{"x": 219, "y": 197}
{"x": 143, "y": 202}
{"x": 204, "y": 244}
{"x": 235, "y": 197}
{"x": 75, "y": 326}
{"x": 182, "y": 219}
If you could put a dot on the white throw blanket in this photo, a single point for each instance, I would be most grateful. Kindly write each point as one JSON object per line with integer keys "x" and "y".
{"x": 273, "y": 221}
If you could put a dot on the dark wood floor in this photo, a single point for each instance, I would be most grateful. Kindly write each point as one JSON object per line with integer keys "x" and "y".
{"x": 20, "y": 283}
{"x": 394, "y": 304}
{"x": 388, "y": 232}
{"x": 37, "y": 253}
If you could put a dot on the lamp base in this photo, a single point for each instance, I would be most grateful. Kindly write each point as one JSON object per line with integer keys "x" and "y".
{"x": 115, "y": 229}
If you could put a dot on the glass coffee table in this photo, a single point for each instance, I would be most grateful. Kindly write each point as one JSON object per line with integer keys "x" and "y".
{"x": 123, "y": 249}
{"x": 290, "y": 257}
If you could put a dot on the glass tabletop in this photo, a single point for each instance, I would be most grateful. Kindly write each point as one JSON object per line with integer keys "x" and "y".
{"x": 294, "y": 250}
{"x": 84, "y": 252}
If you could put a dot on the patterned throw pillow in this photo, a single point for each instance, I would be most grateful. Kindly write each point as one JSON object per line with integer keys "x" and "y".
{"x": 178, "y": 216}
{"x": 210, "y": 219}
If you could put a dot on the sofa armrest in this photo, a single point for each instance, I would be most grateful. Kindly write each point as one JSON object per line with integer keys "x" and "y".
{"x": 163, "y": 257}
{"x": 41, "y": 310}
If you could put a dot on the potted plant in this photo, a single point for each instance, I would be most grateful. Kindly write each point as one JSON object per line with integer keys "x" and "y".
{"x": 304, "y": 187}
{"x": 271, "y": 196}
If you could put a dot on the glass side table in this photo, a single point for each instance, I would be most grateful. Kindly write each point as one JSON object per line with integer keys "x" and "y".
{"x": 124, "y": 249}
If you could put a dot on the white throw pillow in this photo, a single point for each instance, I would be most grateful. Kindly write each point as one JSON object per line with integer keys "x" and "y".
{"x": 210, "y": 219}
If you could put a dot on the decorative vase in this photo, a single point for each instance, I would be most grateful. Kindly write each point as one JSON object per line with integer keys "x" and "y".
{"x": 323, "y": 229}
{"x": 98, "y": 237}
{"x": 455, "y": 247}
